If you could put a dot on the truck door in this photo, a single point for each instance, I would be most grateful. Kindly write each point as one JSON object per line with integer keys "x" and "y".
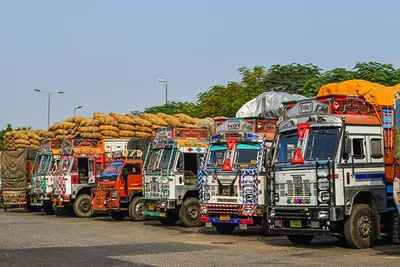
{"x": 133, "y": 180}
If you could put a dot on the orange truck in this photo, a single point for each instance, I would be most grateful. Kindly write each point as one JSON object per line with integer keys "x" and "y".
{"x": 82, "y": 161}
{"x": 120, "y": 186}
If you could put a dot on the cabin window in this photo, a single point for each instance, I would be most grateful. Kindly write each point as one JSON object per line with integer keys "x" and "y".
{"x": 98, "y": 168}
{"x": 376, "y": 148}
{"x": 358, "y": 148}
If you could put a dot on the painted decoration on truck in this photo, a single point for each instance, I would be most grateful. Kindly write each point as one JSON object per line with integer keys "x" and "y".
{"x": 388, "y": 118}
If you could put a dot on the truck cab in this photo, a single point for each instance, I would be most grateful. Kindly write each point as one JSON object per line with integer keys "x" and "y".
{"x": 43, "y": 174}
{"x": 120, "y": 186}
{"x": 170, "y": 174}
{"x": 333, "y": 170}
{"x": 232, "y": 182}
{"x": 80, "y": 168}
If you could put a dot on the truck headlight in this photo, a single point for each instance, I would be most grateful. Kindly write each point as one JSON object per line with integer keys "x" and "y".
{"x": 323, "y": 214}
{"x": 114, "y": 194}
{"x": 325, "y": 197}
{"x": 272, "y": 214}
{"x": 165, "y": 192}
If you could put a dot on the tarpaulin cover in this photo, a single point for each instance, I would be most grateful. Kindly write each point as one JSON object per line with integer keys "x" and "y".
{"x": 13, "y": 170}
{"x": 374, "y": 93}
{"x": 141, "y": 144}
{"x": 206, "y": 123}
{"x": 268, "y": 104}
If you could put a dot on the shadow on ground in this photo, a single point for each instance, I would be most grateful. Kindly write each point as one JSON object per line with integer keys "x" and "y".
{"x": 98, "y": 256}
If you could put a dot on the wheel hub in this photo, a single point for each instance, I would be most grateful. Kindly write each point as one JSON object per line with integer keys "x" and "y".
{"x": 193, "y": 212}
{"x": 139, "y": 209}
{"x": 85, "y": 206}
{"x": 364, "y": 226}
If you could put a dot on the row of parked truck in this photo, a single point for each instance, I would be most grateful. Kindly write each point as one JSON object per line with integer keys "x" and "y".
{"x": 327, "y": 165}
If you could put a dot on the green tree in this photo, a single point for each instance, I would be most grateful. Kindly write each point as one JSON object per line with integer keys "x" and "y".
{"x": 384, "y": 74}
{"x": 174, "y": 108}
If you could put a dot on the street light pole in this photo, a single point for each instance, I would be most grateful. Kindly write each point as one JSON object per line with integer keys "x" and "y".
{"x": 48, "y": 104}
{"x": 166, "y": 89}
{"x": 77, "y": 107}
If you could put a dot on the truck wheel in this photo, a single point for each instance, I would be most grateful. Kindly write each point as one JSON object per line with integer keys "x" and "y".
{"x": 300, "y": 239}
{"x": 83, "y": 206}
{"x": 395, "y": 228}
{"x": 171, "y": 219}
{"x": 48, "y": 208}
{"x": 57, "y": 211}
{"x": 119, "y": 215}
{"x": 136, "y": 208}
{"x": 360, "y": 227}
{"x": 189, "y": 213}
{"x": 225, "y": 228}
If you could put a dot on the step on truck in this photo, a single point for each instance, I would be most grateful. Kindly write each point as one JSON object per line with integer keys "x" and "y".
{"x": 119, "y": 189}
{"x": 82, "y": 161}
{"x": 170, "y": 174}
{"x": 232, "y": 183}
{"x": 16, "y": 171}
{"x": 46, "y": 164}
{"x": 335, "y": 159}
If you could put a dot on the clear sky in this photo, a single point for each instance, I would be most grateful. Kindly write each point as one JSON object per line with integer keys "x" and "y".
{"x": 108, "y": 55}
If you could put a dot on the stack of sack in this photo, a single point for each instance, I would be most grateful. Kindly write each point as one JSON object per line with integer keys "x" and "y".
{"x": 19, "y": 140}
{"x": 108, "y": 125}
{"x": 115, "y": 125}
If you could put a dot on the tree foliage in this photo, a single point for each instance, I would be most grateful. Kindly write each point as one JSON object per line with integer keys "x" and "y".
{"x": 225, "y": 100}
{"x": 9, "y": 128}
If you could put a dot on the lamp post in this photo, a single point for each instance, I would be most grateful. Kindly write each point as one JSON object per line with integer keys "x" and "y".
{"x": 166, "y": 89}
{"x": 77, "y": 107}
{"x": 48, "y": 105}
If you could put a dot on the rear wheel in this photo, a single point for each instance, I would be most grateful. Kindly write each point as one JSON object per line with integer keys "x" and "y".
{"x": 171, "y": 219}
{"x": 136, "y": 209}
{"x": 119, "y": 215}
{"x": 225, "y": 228}
{"x": 83, "y": 206}
{"x": 360, "y": 228}
{"x": 189, "y": 212}
{"x": 48, "y": 208}
{"x": 300, "y": 239}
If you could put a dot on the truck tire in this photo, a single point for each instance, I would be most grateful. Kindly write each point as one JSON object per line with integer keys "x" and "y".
{"x": 189, "y": 213}
{"x": 395, "y": 228}
{"x": 171, "y": 219}
{"x": 136, "y": 209}
{"x": 83, "y": 206}
{"x": 48, "y": 208}
{"x": 57, "y": 211}
{"x": 225, "y": 228}
{"x": 360, "y": 227}
{"x": 119, "y": 215}
{"x": 300, "y": 239}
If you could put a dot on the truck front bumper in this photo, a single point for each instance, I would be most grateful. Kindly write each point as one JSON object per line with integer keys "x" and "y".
{"x": 230, "y": 213}
{"x": 158, "y": 207}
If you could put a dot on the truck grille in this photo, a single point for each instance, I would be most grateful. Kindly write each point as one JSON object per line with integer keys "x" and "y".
{"x": 153, "y": 187}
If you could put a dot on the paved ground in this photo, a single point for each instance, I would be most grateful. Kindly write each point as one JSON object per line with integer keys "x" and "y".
{"x": 40, "y": 240}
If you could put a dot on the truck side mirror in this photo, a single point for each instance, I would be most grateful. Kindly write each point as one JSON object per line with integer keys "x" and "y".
{"x": 125, "y": 174}
{"x": 346, "y": 148}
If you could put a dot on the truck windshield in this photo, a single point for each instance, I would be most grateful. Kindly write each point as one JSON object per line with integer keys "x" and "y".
{"x": 322, "y": 143}
{"x": 65, "y": 164}
{"x": 246, "y": 154}
{"x": 287, "y": 146}
{"x": 110, "y": 173}
{"x": 217, "y": 156}
{"x": 161, "y": 158}
{"x": 37, "y": 165}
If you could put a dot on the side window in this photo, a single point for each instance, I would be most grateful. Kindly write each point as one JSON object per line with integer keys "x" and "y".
{"x": 376, "y": 148}
{"x": 358, "y": 148}
{"x": 98, "y": 168}
{"x": 136, "y": 169}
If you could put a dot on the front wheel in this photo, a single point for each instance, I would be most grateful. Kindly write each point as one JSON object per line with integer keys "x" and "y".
{"x": 83, "y": 206}
{"x": 360, "y": 228}
{"x": 33, "y": 208}
{"x": 119, "y": 215}
{"x": 225, "y": 228}
{"x": 300, "y": 239}
{"x": 136, "y": 209}
{"x": 189, "y": 213}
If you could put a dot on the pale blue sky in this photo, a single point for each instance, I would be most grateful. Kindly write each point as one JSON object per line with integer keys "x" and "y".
{"x": 108, "y": 55}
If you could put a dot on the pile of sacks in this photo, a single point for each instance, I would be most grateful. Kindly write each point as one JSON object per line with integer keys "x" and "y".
{"x": 115, "y": 125}
{"x": 19, "y": 140}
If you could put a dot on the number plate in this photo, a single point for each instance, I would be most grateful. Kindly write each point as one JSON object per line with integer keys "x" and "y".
{"x": 224, "y": 218}
{"x": 151, "y": 207}
{"x": 295, "y": 224}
